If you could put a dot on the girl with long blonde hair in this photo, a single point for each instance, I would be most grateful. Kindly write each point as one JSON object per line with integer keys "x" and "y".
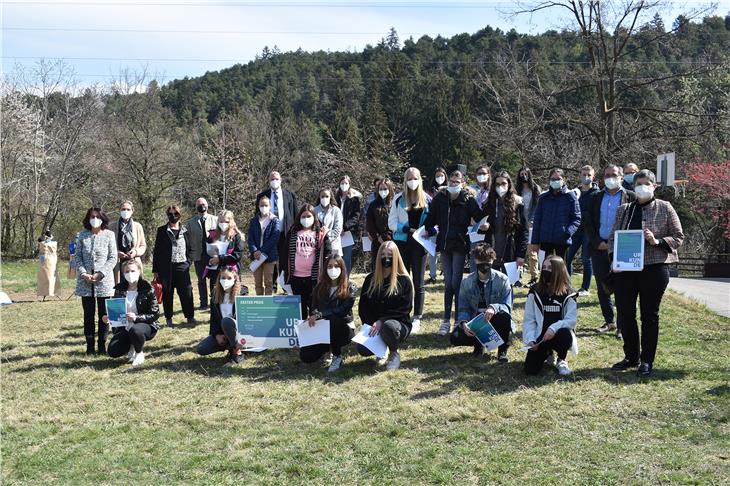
{"x": 226, "y": 231}
{"x": 223, "y": 328}
{"x": 386, "y": 302}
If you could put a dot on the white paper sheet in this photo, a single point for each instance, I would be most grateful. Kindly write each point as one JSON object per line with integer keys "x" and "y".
{"x": 513, "y": 272}
{"x": 284, "y": 286}
{"x": 347, "y": 239}
{"x": 367, "y": 244}
{"x": 317, "y": 334}
{"x": 253, "y": 350}
{"x": 540, "y": 258}
{"x": 476, "y": 237}
{"x": 258, "y": 262}
{"x": 429, "y": 243}
{"x": 373, "y": 343}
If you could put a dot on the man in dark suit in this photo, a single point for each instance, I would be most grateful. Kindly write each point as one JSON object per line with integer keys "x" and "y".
{"x": 600, "y": 218}
{"x": 284, "y": 207}
{"x": 198, "y": 227}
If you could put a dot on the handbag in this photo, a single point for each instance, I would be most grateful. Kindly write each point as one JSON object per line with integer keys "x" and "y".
{"x": 157, "y": 288}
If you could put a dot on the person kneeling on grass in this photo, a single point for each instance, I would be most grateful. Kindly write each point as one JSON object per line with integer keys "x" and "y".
{"x": 332, "y": 299}
{"x": 487, "y": 292}
{"x": 142, "y": 313}
{"x": 551, "y": 314}
{"x": 386, "y": 301}
{"x": 223, "y": 328}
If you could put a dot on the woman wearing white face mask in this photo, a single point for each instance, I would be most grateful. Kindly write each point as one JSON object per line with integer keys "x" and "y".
{"x": 95, "y": 258}
{"x": 330, "y": 216}
{"x": 377, "y": 217}
{"x": 226, "y": 231}
{"x": 408, "y": 213}
{"x": 223, "y": 334}
{"x": 129, "y": 234}
{"x": 437, "y": 182}
{"x": 263, "y": 239}
{"x": 306, "y": 252}
{"x": 507, "y": 229}
{"x": 142, "y": 314}
{"x": 332, "y": 299}
{"x": 663, "y": 235}
{"x": 350, "y": 202}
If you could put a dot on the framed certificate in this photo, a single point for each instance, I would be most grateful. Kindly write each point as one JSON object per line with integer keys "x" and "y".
{"x": 628, "y": 251}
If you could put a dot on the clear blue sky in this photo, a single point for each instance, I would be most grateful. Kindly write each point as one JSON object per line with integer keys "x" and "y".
{"x": 176, "y": 38}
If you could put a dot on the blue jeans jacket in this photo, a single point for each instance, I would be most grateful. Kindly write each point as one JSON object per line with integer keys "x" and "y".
{"x": 497, "y": 294}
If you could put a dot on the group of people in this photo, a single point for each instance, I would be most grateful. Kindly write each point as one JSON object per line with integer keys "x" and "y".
{"x": 309, "y": 250}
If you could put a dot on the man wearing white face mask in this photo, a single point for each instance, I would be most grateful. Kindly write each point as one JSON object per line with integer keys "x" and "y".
{"x": 585, "y": 192}
{"x": 283, "y": 208}
{"x": 197, "y": 228}
{"x": 142, "y": 314}
{"x": 663, "y": 234}
{"x": 600, "y": 218}
{"x": 557, "y": 217}
{"x": 330, "y": 216}
{"x": 131, "y": 243}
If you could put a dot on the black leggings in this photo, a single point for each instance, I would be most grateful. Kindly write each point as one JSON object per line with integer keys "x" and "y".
{"x": 178, "y": 279}
{"x": 414, "y": 259}
{"x": 649, "y": 286}
{"x": 303, "y": 286}
{"x": 502, "y": 323}
{"x": 90, "y": 305}
{"x": 554, "y": 249}
{"x": 393, "y": 333}
{"x": 137, "y": 335}
{"x": 340, "y": 335}
{"x": 561, "y": 343}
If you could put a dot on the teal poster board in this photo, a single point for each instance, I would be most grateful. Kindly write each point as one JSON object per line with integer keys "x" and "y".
{"x": 268, "y": 321}
{"x": 485, "y": 332}
{"x": 628, "y": 251}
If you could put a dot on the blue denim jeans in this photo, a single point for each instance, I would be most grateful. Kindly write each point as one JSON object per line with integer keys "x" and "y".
{"x": 347, "y": 256}
{"x": 453, "y": 267}
{"x": 580, "y": 240}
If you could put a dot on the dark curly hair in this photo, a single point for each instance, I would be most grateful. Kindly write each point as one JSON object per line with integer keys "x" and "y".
{"x": 511, "y": 217}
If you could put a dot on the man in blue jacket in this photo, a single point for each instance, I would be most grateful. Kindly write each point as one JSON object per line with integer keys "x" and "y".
{"x": 557, "y": 217}
{"x": 489, "y": 292}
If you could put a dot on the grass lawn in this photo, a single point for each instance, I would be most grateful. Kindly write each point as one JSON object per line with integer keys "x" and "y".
{"x": 443, "y": 418}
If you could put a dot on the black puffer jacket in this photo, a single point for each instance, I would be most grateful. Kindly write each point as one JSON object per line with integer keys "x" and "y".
{"x": 453, "y": 217}
{"x": 148, "y": 311}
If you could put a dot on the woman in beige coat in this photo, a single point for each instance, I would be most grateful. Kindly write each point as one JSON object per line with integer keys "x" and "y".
{"x": 129, "y": 235}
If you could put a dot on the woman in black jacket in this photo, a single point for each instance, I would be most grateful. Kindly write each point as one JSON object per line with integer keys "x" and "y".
{"x": 507, "y": 229}
{"x": 350, "y": 202}
{"x": 223, "y": 334}
{"x": 142, "y": 314}
{"x": 386, "y": 302}
{"x": 376, "y": 221}
{"x": 332, "y": 299}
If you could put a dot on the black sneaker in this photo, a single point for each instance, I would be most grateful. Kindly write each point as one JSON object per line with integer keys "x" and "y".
{"x": 532, "y": 282}
{"x": 644, "y": 369}
{"x": 203, "y": 307}
{"x": 233, "y": 359}
{"x": 478, "y": 350}
{"x": 502, "y": 356}
{"x": 431, "y": 280}
{"x": 619, "y": 336}
{"x": 169, "y": 322}
{"x": 624, "y": 364}
{"x": 519, "y": 284}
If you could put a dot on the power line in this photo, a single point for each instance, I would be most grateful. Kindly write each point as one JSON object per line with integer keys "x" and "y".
{"x": 420, "y": 4}
{"x": 216, "y": 32}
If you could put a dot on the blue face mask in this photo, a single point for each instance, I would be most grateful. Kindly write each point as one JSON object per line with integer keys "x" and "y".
{"x": 629, "y": 178}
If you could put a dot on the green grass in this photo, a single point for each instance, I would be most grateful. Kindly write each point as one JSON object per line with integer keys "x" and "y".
{"x": 443, "y": 418}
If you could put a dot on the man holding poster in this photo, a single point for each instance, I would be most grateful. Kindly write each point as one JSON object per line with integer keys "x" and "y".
{"x": 485, "y": 292}
{"x": 663, "y": 235}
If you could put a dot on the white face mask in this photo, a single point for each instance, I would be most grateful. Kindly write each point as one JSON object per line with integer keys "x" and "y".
{"x": 454, "y": 190}
{"x": 275, "y": 184}
{"x": 413, "y": 184}
{"x": 131, "y": 277}
{"x": 611, "y": 183}
{"x": 586, "y": 179}
{"x": 501, "y": 190}
{"x": 95, "y": 222}
{"x": 125, "y": 214}
{"x": 306, "y": 222}
{"x": 556, "y": 184}
{"x": 223, "y": 226}
{"x": 644, "y": 192}
{"x": 324, "y": 201}
{"x": 384, "y": 194}
{"x": 264, "y": 210}
{"x": 334, "y": 272}
{"x": 440, "y": 179}
{"x": 227, "y": 283}
{"x": 344, "y": 187}
{"x": 482, "y": 178}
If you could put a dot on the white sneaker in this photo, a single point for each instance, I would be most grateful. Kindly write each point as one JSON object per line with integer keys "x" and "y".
{"x": 384, "y": 360}
{"x": 336, "y": 364}
{"x": 416, "y": 325}
{"x": 131, "y": 354}
{"x": 550, "y": 360}
{"x": 393, "y": 362}
{"x": 563, "y": 368}
{"x": 139, "y": 359}
{"x": 444, "y": 328}
{"x": 328, "y": 360}
{"x": 583, "y": 293}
